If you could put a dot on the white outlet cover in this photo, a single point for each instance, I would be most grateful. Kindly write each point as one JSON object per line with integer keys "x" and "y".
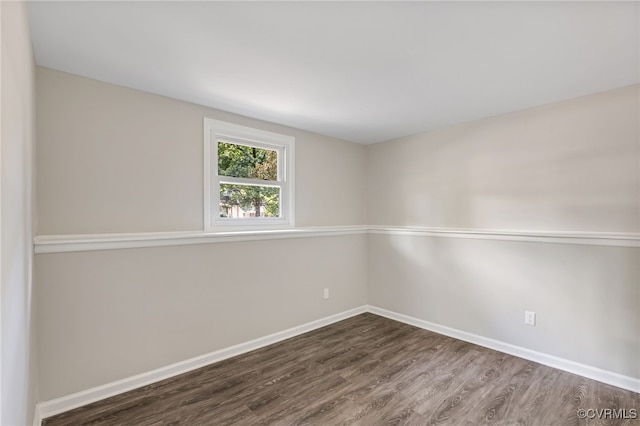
{"x": 530, "y": 318}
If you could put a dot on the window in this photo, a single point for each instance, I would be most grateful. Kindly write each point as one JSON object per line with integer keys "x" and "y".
{"x": 248, "y": 178}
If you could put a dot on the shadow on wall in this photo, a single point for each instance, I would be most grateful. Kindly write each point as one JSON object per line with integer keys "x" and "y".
{"x": 572, "y": 166}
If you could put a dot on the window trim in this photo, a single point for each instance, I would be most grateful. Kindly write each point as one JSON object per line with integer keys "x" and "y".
{"x": 215, "y": 130}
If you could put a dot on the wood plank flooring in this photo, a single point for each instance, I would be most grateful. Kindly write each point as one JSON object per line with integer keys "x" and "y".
{"x": 366, "y": 370}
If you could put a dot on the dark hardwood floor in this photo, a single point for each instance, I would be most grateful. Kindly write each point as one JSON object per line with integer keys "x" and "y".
{"x": 366, "y": 370}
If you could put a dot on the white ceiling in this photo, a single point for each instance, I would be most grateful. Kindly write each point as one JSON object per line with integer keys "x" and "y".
{"x": 359, "y": 71}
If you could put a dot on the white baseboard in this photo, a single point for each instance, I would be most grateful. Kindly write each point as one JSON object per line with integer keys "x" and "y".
{"x": 604, "y": 376}
{"x": 69, "y": 402}
{"x": 37, "y": 416}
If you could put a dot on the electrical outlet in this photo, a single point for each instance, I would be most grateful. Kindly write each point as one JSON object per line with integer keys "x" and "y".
{"x": 530, "y": 318}
{"x": 326, "y": 293}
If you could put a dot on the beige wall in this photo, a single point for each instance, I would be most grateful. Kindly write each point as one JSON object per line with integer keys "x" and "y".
{"x": 570, "y": 166}
{"x": 18, "y": 355}
{"x": 112, "y": 159}
{"x": 586, "y": 298}
{"x": 112, "y": 314}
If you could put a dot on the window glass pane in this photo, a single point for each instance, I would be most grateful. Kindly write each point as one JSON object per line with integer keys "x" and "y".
{"x": 247, "y": 161}
{"x": 242, "y": 201}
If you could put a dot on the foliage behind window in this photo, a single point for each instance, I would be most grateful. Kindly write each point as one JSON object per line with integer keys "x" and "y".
{"x": 247, "y": 161}
{"x": 241, "y": 161}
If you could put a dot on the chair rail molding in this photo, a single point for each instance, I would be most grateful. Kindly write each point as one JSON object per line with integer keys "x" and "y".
{"x": 90, "y": 242}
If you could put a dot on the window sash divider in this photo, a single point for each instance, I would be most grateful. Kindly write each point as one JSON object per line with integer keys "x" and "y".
{"x": 247, "y": 181}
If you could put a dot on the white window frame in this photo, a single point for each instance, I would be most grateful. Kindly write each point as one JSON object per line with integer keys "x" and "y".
{"x": 215, "y": 131}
